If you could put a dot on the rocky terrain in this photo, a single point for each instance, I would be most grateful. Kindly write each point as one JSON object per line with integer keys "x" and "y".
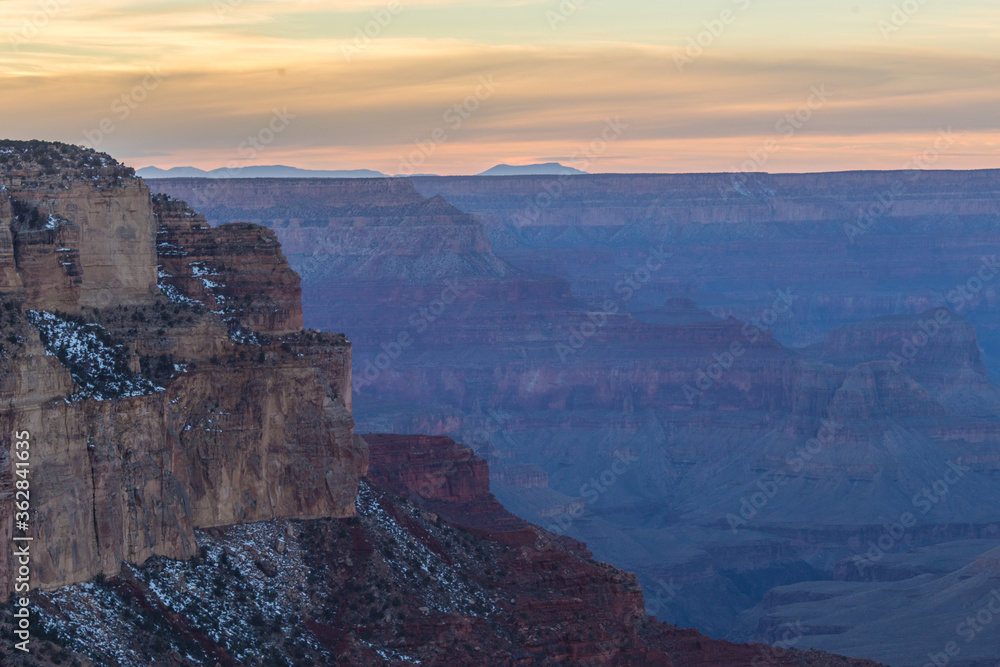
{"x": 155, "y": 406}
{"x": 431, "y": 570}
{"x": 727, "y": 384}
{"x": 866, "y": 244}
{"x": 198, "y": 495}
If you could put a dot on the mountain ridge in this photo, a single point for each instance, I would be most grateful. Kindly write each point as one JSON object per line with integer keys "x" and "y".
{"x": 540, "y": 169}
{"x": 257, "y": 171}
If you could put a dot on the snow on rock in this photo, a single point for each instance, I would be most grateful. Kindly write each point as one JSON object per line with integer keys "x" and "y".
{"x": 413, "y": 559}
{"x": 238, "y": 586}
{"x": 175, "y": 295}
{"x": 98, "y": 365}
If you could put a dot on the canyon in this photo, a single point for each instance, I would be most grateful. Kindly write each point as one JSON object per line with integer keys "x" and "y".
{"x": 431, "y": 570}
{"x": 198, "y": 492}
{"x": 147, "y": 415}
{"x": 770, "y": 396}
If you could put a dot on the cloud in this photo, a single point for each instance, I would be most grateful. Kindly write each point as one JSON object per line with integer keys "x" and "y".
{"x": 224, "y": 78}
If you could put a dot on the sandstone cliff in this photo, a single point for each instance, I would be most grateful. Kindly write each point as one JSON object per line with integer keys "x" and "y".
{"x": 82, "y": 228}
{"x": 238, "y": 270}
{"x": 155, "y": 406}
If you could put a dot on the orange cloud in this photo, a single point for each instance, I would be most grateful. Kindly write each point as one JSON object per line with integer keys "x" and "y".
{"x": 221, "y": 81}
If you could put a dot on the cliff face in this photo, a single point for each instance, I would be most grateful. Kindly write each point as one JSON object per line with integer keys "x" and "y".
{"x": 235, "y": 269}
{"x": 83, "y": 228}
{"x": 155, "y": 409}
{"x": 415, "y": 578}
{"x": 365, "y": 246}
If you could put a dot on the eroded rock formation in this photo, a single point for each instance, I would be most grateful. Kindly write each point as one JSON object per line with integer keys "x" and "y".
{"x": 863, "y": 311}
{"x": 155, "y": 407}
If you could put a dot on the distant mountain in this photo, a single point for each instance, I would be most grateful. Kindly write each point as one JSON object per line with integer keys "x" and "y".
{"x": 272, "y": 171}
{"x": 547, "y": 169}
{"x": 282, "y": 171}
{"x": 176, "y": 172}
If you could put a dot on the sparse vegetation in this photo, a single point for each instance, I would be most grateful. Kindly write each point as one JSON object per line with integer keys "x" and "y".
{"x": 61, "y": 162}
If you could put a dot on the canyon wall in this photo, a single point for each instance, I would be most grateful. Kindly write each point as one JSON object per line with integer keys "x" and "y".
{"x": 84, "y": 233}
{"x": 862, "y": 244}
{"x": 155, "y": 405}
{"x": 725, "y": 383}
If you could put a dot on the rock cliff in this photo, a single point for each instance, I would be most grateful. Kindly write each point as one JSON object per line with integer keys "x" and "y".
{"x": 81, "y": 228}
{"x": 415, "y": 578}
{"x": 236, "y": 269}
{"x": 155, "y": 405}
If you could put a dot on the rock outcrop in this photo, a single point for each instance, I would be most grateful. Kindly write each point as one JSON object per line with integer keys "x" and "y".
{"x": 82, "y": 228}
{"x": 155, "y": 408}
{"x": 236, "y": 269}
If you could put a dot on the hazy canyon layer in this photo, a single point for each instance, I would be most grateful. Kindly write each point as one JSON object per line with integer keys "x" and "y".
{"x": 198, "y": 494}
{"x": 770, "y": 396}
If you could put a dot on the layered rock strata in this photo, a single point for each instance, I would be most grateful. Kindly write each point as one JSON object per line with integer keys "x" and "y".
{"x": 154, "y": 406}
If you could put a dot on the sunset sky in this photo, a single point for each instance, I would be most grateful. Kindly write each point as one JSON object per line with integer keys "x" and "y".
{"x": 295, "y": 77}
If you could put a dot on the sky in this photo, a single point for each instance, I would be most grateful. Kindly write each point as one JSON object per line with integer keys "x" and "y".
{"x": 457, "y": 86}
